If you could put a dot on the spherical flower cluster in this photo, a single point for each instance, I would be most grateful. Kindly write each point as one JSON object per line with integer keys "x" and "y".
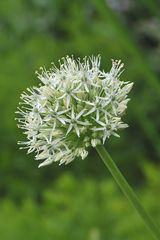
{"x": 76, "y": 106}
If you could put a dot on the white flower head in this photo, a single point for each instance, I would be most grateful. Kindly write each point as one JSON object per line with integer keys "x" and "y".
{"x": 76, "y": 106}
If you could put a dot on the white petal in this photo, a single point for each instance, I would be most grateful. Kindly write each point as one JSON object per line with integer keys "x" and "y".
{"x": 90, "y": 111}
{"x": 61, "y": 120}
{"x": 72, "y": 114}
{"x": 97, "y": 115}
{"x": 77, "y": 130}
{"x": 69, "y": 129}
{"x": 45, "y": 163}
{"x": 80, "y": 114}
{"x": 68, "y": 100}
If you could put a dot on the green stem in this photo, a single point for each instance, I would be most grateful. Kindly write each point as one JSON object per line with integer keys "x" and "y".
{"x": 127, "y": 190}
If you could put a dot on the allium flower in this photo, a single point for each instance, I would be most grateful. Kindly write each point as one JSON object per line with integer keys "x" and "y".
{"x": 76, "y": 106}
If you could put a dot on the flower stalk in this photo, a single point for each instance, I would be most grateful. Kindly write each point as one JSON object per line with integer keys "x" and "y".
{"x": 127, "y": 190}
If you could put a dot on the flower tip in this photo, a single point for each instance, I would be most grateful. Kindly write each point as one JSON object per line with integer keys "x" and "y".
{"x": 45, "y": 163}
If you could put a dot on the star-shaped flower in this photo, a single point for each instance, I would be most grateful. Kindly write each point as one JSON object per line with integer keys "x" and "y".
{"x": 74, "y": 121}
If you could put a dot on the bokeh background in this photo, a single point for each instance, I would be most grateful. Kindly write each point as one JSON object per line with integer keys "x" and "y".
{"x": 80, "y": 201}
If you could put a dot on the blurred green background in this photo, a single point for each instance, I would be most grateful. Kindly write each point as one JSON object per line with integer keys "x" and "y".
{"x": 80, "y": 201}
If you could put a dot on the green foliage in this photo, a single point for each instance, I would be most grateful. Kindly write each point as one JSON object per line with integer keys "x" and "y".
{"x": 74, "y": 209}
